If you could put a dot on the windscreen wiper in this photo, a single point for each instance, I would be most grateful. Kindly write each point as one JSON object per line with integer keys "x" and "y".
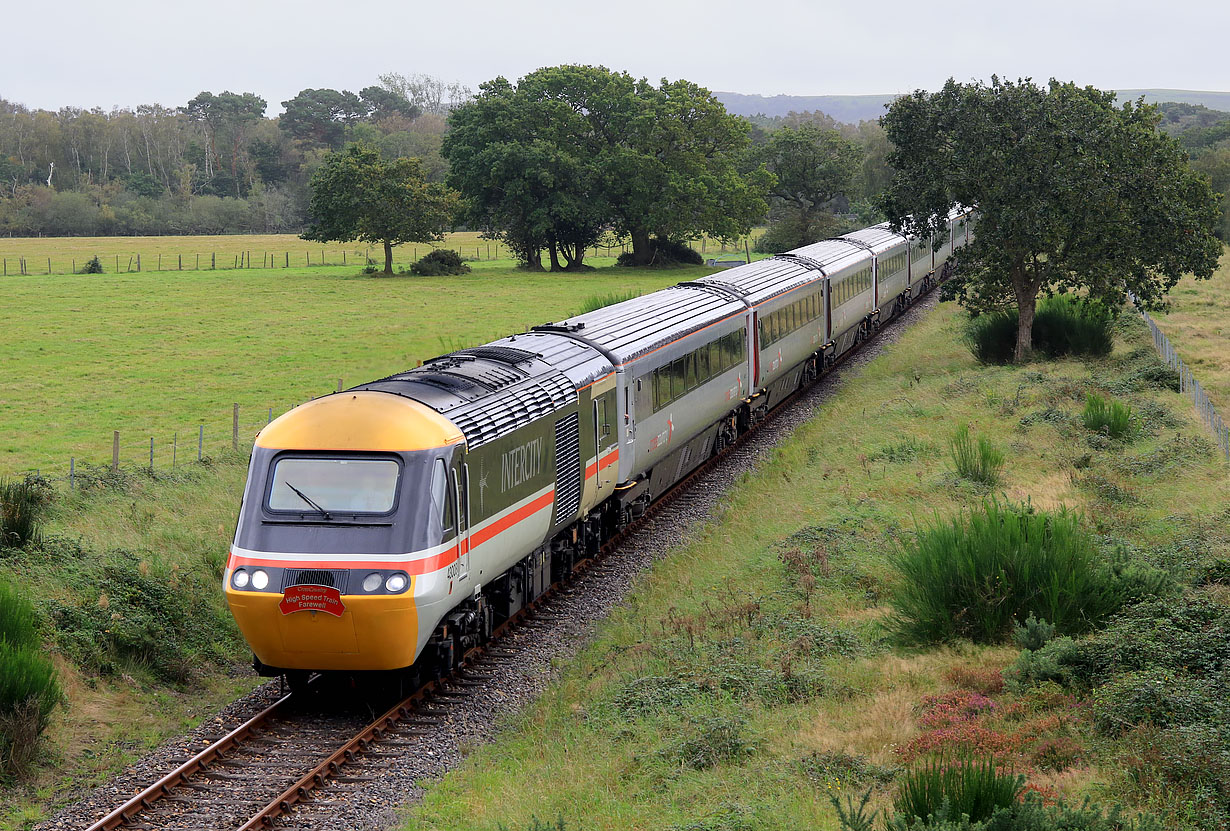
{"x": 308, "y": 500}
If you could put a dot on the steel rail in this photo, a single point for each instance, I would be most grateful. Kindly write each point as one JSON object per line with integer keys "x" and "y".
{"x": 349, "y": 752}
{"x": 124, "y": 814}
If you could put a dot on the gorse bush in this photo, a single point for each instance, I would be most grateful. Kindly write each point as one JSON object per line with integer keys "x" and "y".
{"x": 92, "y": 266}
{"x": 29, "y": 690}
{"x": 940, "y": 787}
{"x": 976, "y": 460}
{"x": 977, "y": 575}
{"x": 440, "y": 262}
{"x": 1063, "y": 325}
{"x": 21, "y": 511}
{"x": 1110, "y": 418}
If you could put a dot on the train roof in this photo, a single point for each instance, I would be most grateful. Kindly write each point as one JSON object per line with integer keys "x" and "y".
{"x": 487, "y": 391}
{"x": 636, "y": 327}
{"x": 764, "y": 279}
{"x": 879, "y": 238}
{"x": 833, "y": 255}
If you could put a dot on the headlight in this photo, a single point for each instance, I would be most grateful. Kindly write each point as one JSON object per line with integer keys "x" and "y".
{"x": 260, "y": 579}
{"x": 371, "y": 582}
{"x": 239, "y": 579}
{"x": 395, "y": 583}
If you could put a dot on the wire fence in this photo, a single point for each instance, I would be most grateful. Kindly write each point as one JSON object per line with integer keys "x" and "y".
{"x": 239, "y": 258}
{"x": 1188, "y": 383}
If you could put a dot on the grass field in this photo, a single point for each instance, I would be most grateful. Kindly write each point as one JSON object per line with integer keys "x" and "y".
{"x": 1198, "y": 326}
{"x": 65, "y": 255}
{"x": 748, "y": 677}
{"x": 157, "y": 355}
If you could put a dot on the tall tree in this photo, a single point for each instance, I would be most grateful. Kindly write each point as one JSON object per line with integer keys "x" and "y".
{"x": 813, "y": 166}
{"x": 226, "y": 118}
{"x": 358, "y": 195}
{"x": 1072, "y": 192}
{"x": 318, "y": 117}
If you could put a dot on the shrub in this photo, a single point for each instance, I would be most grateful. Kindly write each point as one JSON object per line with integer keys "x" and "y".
{"x": 1159, "y": 697}
{"x": 978, "y": 461}
{"x": 664, "y": 252}
{"x": 17, "y": 627}
{"x": 978, "y": 574}
{"x": 21, "y": 510}
{"x": 941, "y": 788}
{"x": 1113, "y": 418}
{"x": 1034, "y": 634}
{"x": 1063, "y": 325}
{"x": 439, "y": 262}
{"x": 93, "y": 266}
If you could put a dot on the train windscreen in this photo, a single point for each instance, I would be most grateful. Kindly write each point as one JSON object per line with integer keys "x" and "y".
{"x": 338, "y": 485}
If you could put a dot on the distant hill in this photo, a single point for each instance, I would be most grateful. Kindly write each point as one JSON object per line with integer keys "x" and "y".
{"x": 855, "y": 108}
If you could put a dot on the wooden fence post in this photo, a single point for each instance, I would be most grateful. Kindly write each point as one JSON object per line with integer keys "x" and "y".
{"x": 115, "y": 451}
{"x": 235, "y": 427}
{"x": 151, "y": 455}
{"x": 200, "y": 442}
{"x": 339, "y": 384}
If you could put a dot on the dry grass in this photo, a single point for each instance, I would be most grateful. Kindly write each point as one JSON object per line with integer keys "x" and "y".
{"x": 1198, "y": 325}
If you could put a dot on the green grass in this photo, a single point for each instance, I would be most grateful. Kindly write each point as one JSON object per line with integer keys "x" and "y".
{"x": 159, "y": 354}
{"x": 772, "y": 617}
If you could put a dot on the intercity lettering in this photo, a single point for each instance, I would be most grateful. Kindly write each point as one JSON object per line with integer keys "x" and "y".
{"x": 521, "y": 464}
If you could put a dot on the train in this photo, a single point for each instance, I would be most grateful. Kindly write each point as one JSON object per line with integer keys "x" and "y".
{"x": 392, "y": 526}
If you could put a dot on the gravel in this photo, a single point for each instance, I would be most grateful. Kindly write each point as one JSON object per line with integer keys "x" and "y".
{"x": 387, "y": 779}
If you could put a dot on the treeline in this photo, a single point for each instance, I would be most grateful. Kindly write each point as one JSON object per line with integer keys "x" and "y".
{"x": 1205, "y": 135}
{"x": 216, "y": 164}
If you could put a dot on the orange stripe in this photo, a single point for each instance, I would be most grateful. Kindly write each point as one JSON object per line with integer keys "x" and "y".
{"x": 480, "y": 537}
{"x": 423, "y": 566}
{"x": 609, "y": 459}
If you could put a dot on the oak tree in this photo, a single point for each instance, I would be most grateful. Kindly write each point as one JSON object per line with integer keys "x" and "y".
{"x": 1072, "y": 193}
{"x": 357, "y": 195}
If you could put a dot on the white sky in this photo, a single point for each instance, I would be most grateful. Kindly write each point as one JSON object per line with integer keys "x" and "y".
{"x": 128, "y": 52}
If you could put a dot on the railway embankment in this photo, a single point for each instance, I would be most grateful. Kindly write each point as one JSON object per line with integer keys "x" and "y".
{"x": 756, "y": 671}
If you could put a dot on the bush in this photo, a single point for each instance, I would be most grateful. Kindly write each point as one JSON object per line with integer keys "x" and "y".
{"x": 1158, "y": 697}
{"x": 440, "y": 262}
{"x": 978, "y": 574}
{"x": 93, "y": 266}
{"x": 1063, "y": 325}
{"x": 29, "y": 690}
{"x": 941, "y": 788}
{"x": 1034, "y": 634}
{"x": 1112, "y": 419}
{"x": 977, "y": 461}
{"x": 21, "y": 510}
{"x": 664, "y": 252}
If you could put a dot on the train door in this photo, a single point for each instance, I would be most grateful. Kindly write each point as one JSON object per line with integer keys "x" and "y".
{"x": 460, "y": 493}
{"x": 754, "y": 341}
{"x": 606, "y": 450}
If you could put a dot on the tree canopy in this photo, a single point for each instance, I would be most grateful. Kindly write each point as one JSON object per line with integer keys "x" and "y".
{"x": 358, "y": 195}
{"x": 814, "y": 165}
{"x": 571, "y": 150}
{"x": 1072, "y": 193}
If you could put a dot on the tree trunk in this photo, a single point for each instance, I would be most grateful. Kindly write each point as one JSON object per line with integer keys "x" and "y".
{"x": 554, "y": 251}
{"x": 1026, "y": 301}
{"x": 388, "y": 258}
{"x": 574, "y": 256}
{"x": 642, "y": 254}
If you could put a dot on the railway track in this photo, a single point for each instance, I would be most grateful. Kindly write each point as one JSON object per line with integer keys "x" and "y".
{"x": 302, "y": 752}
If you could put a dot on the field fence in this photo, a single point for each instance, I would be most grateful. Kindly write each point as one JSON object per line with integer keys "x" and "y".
{"x": 309, "y": 257}
{"x": 1188, "y": 383}
{"x": 215, "y": 437}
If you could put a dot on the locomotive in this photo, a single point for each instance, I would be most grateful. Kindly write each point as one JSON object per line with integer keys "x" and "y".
{"x": 394, "y": 525}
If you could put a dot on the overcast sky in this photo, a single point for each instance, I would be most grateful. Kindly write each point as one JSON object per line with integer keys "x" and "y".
{"x": 129, "y": 52}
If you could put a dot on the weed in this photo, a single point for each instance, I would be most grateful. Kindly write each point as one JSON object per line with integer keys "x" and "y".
{"x": 943, "y": 788}
{"x": 726, "y": 818}
{"x": 977, "y": 461}
{"x": 1110, "y": 418}
{"x": 29, "y": 690}
{"x": 837, "y": 769}
{"x": 986, "y": 681}
{"x": 903, "y": 451}
{"x": 711, "y": 741}
{"x": 651, "y": 695}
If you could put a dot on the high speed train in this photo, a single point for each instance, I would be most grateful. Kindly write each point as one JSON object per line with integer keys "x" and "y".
{"x": 393, "y": 525}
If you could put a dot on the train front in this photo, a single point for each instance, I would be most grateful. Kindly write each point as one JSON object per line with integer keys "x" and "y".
{"x": 342, "y": 525}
